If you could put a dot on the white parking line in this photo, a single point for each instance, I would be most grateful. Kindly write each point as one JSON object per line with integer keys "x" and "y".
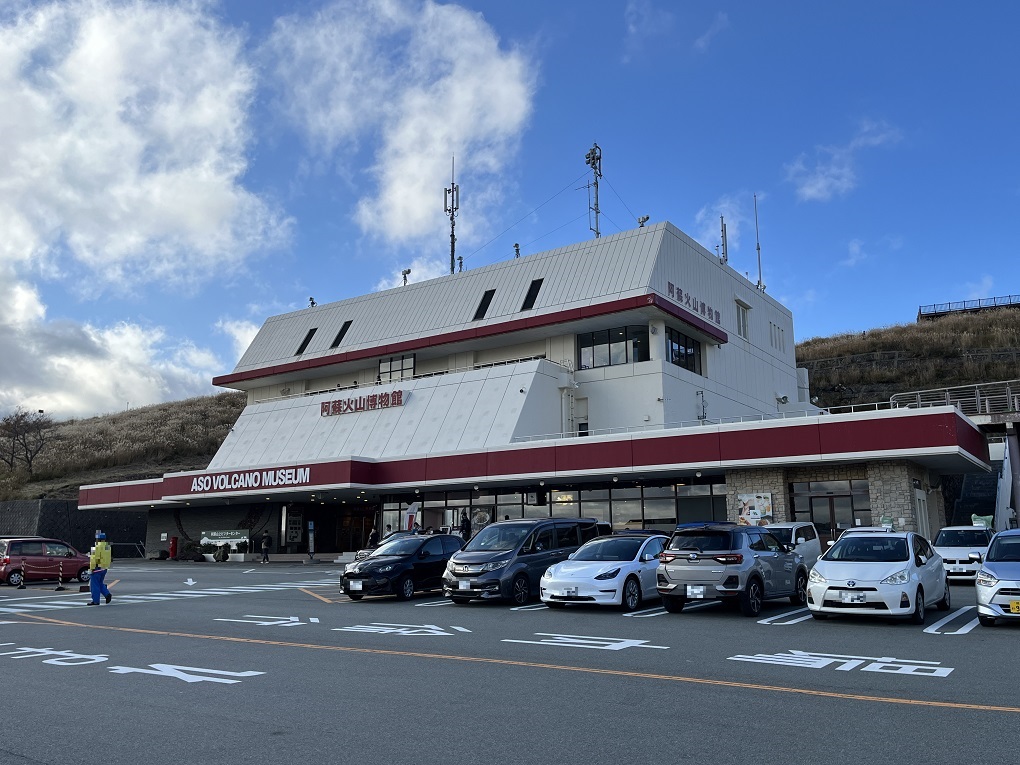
{"x": 706, "y": 604}
{"x": 434, "y": 603}
{"x": 646, "y": 612}
{"x": 772, "y": 619}
{"x": 535, "y": 607}
{"x": 934, "y": 628}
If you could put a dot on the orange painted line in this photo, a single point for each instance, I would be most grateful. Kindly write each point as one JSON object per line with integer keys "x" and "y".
{"x": 314, "y": 595}
{"x": 113, "y": 583}
{"x": 538, "y": 665}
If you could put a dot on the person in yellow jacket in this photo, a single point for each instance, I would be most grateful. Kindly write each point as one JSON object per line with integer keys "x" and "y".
{"x": 99, "y": 564}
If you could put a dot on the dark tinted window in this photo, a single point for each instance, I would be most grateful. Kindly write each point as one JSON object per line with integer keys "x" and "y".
{"x": 434, "y": 547}
{"x": 451, "y": 544}
{"x": 484, "y": 305}
{"x": 610, "y": 548}
{"x": 962, "y": 538}
{"x": 868, "y": 548}
{"x": 588, "y": 531}
{"x": 771, "y": 542}
{"x": 532, "y": 296}
{"x": 306, "y": 341}
{"x": 544, "y": 540}
{"x": 399, "y": 546}
{"x": 704, "y": 540}
{"x": 785, "y": 535}
{"x": 340, "y": 335}
{"x": 567, "y": 536}
{"x": 1004, "y": 549}
{"x": 756, "y": 542}
{"x": 57, "y": 549}
{"x": 31, "y": 548}
{"x": 498, "y": 538}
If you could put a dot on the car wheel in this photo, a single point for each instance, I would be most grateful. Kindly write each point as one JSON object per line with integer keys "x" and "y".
{"x": 918, "y": 616}
{"x": 819, "y": 616}
{"x": 555, "y": 604}
{"x": 986, "y": 621}
{"x": 405, "y": 588}
{"x": 674, "y": 605}
{"x": 631, "y": 595}
{"x": 15, "y": 579}
{"x": 460, "y": 601}
{"x": 520, "y": 590}
{"x": 799, "y": 597}
{"x": 750, "y": 600}
{"x": 355, "y": 595}
{"x": 83, "y": 575}
{"x": 943, "y": 605}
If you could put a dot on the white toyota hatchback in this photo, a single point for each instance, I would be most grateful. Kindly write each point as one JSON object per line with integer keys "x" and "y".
{"x": 878, "y": 572}
{"x": 615, "y": 570}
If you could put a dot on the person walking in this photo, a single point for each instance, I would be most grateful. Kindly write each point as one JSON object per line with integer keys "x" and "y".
{"x": 373, "y": 538}
{"x": 99, "y": 563}
{"x": 465, "y": 525}
{"x": 267, "y": 542}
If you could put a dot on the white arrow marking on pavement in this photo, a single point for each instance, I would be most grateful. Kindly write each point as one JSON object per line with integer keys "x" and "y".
{"x": 934, "y": 629}
{"x": 783, "y": 616}
{"x": 189, "y": 581}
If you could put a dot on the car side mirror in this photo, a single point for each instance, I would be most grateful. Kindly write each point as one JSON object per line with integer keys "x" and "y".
{"x": 976, "y": 558}
{"x": 830, "y": 543}
{"x": 571, "y": 556}
{"x": 801, "y": 540}
{"x": 69, "y": 554}
{"x": 424, "y": 554}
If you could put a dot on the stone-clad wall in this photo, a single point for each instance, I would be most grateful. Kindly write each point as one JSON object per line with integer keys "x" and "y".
{"x": 758, "y": 481}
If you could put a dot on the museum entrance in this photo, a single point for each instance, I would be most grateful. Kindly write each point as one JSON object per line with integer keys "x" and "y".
{"x": 832, "y": 506}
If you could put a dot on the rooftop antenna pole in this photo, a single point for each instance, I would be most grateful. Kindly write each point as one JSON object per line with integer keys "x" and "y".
{"x": 593, "y": 159}
{"x": 725, "y": 252}
{"x": 451, "y": 204}
{"x": 757, "y": 243}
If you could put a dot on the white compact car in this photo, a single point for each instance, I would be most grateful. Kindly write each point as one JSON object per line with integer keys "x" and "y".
{"x": 615, "y": 570}
{"x": 955, "y": 544}
{"x": 878, "y": 572}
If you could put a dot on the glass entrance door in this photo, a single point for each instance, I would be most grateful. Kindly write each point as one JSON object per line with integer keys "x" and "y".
{"x": 831, "y": 516}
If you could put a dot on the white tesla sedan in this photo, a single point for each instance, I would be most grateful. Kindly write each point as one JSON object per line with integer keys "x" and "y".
{"x": 877, "y": 571}
{"x": 615, "y": 570}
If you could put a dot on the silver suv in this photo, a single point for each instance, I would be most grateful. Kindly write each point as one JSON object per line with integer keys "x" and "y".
{"x": 724, "y": 561}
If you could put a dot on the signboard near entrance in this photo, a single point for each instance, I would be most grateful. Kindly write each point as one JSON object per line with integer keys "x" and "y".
{"x": 755, "y": 509}
{"x": 295, "y": 526}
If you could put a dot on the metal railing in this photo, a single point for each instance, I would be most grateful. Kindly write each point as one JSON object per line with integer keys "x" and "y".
{"x": 937, "y": 309}
{"x": 972, "y": 400}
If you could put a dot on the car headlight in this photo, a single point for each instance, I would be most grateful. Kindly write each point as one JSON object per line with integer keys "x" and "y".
{"x": 494, "y": 565}
{"x": 548, "y": 573}
{"x": 451, "y": 566}
{"x": 985, "y": 579}
{"x": 900, "y": 577}
{"x": 609, "y": 574}
{"x": 815, "y": 578}
{"x": 382, "y": 569}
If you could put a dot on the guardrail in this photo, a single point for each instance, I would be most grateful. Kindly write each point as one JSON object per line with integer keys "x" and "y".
{"x": 972, "y": 400}
{"x": 938, "y": 309}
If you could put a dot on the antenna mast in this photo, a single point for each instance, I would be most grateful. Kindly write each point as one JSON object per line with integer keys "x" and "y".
{"x": 757, "y": 244}
{"x": 451, "y": 204}
{"x": 593, "y": 159}
{"x": 725, "y": 253}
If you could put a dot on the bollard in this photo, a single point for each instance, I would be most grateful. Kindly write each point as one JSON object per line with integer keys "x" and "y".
{"x": 60, "y": 577}
{"x": 24, "y": 574}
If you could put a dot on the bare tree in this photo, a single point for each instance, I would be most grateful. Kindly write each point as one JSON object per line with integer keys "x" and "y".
{"x": 23, "y": 435}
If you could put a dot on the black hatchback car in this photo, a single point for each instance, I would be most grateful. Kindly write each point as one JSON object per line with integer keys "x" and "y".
{"x": 401, "y": 566}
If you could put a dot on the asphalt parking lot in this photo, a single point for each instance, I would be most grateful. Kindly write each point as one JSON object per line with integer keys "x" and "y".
{"x": 234, "y": 662}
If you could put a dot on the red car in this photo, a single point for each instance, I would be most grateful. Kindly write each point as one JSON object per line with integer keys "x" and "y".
{"x": 38, "y": 558}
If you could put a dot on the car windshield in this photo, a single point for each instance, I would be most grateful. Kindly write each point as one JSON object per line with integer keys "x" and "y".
{"x": 1004, "y": 549}
{"x": 401, "y": 546}
{"x": 498, "y": 537}
{"x": 609, "y": 549}
{"x": 961, "y": 538}
{"x": 703, "y": 540}
{"x": 783, "y": 535}
{"x": 868, "y": 549}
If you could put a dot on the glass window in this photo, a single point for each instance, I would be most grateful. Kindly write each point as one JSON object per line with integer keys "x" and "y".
{"x": 628, "y": 493}
{"x": 601, "y": 342}
{"x": 702, "y": 540}
{"x": 396, "y": 368}
{"x": 742, "y": 321}
{"x": 618, "y": 346}
{"x": 771, "y": 543}
{"x": 585, "y": 350}
{"x": 627, "y": 514}
{"x": 599, "y": 510}
{"x": 31, "y": 548}
{"x": 514, "y": 498}
{"x": 683, "y": 351}
{"x": 451, "y": 544}
{"x": 654, "y": 546}
{"x": 58, "y": 550}
{"x": 660, "y": 514}
{"x": 434, "y": 547}
{"x": 483, "y": 306}
{"x": 544, "y": 540}
{"x": 532, "y": 296}
{"x": 757, "y": 543}
{"x": 637, "y": 343}
{"x": 306, "y": 341}
{"x": 536, "y": 511}
{"x": 660, "y": 491}
{"x": 567, "y": 535}
{"x": 593, "y": 494}
{"x": 341, "y": 334}
{"x": 588, "y": 531}
{"x": 610, "y": 549}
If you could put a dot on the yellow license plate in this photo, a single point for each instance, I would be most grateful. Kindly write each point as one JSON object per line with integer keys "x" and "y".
{"x": 1014, "y": 606}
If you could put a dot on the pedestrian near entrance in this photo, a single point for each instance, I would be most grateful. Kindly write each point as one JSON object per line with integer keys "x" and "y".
{"x": 373, "y": 537}
{"x": 99, "y": 563}
{"x": 465, "y": 525}
{"x": 267, "y": 542}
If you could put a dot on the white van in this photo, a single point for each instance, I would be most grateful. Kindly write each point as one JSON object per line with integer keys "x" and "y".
{"x": 801, "y": 536}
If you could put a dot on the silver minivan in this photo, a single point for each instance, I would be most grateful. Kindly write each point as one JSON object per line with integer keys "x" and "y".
{"x": 506, "y": 559}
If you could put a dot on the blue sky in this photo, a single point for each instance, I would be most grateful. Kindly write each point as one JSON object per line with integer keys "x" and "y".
{"x": 175, "y": 172}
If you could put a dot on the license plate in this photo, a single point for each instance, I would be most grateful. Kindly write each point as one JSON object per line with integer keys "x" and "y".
{"x": 695, "y": 591}
{"x": 1014, "y": 606}
{"x": 853, "y": 597}
{"x": 354, "y": 584}
{"x": 463, "y": 584}
{"x": 570, "y": 592}
{"x": 957, "y": 570}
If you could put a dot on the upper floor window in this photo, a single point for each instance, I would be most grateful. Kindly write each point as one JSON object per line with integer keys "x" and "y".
{"x": 532, "y": 296}
{"x": 608, "y": 347}
{"x": 306, "y": 341}
{"x": 683, "y": 351}
{"x": 483, "y": 307}
{"x": 742, "y": 316}
{"x": 396, "y": 368}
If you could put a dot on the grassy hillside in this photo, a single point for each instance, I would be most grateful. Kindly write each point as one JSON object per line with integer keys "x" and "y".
{"x": 849, "y": 368}
{"x": 960, "y": 349}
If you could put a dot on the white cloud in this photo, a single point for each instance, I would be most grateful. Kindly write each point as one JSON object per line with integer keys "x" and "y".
{"x": 832, "y": 171}
{"x": 125, "y": 138}
{"x": 240, "y": 332}
{"x": 643, "y": 22}
{"x": 738, "y": 211}
{"x": 855, "y": 253}
{"x": 981, "y": 289}
{"x": 416, "y": 82}
{"x": 719, "y": 23}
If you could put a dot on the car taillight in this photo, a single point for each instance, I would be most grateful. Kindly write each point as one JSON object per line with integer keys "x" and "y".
{"x": 666, "y": 557}
{"x": 735, "y": 558}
